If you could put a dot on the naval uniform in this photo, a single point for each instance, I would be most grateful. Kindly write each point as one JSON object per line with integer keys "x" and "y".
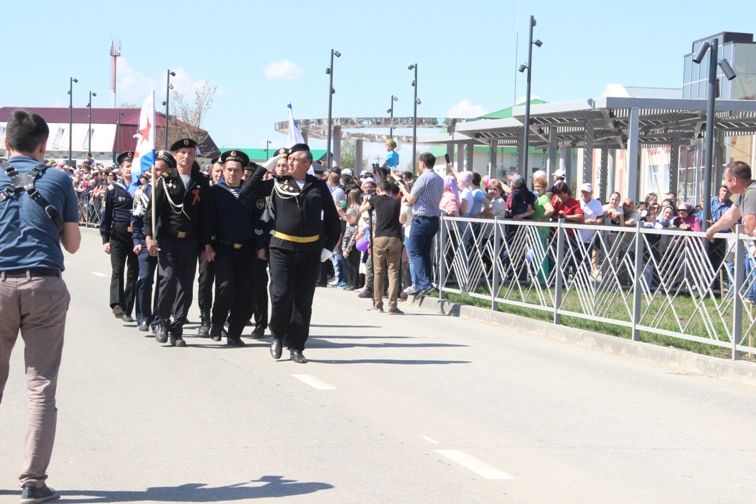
{"x": 185, "y": 224}
{"x": 146, "y": 303}
{"x": 234, "y": 262}
{"x": 115, "y": 228}
{"x": 305, "y": 221}
{"x": 259, "y": 295}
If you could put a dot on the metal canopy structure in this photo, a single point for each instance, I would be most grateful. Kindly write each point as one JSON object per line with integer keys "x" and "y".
{"x": 612, "y": 122}
{"x": 318, "y": 128}
{"x": 661, "y": 122}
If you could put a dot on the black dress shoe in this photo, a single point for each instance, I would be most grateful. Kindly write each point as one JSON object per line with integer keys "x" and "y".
{"x": 144, "y": 326}
{"x": 127, "y": 318}
{"x": 258, "y": 332}
{"x": 276, "y": 348}
{"x": 204, "y": 330}
{"x": 215, "y": 333}
{"x": 298, "y": 357}
{"x": 161, "y": 333}
{"x": 177, "y": 341}
{"x": 234, "y": 341}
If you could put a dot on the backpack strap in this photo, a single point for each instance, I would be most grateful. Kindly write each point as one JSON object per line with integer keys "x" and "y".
{"x": 25, "y": 182}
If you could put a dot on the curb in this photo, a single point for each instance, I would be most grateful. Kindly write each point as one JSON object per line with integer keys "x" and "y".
{"x": 740, "y": 372}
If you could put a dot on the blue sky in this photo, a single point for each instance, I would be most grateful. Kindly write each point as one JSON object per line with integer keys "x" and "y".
{"x": 465, "y": 53}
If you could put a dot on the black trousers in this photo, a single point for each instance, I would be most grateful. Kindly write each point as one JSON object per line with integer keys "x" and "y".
{"x": 177, "y": 263}
{"x": 123, "y": 291}
{"x": 144, "y": 296}
{"x": 352, "y": 268}
{"x": 259, "y": 295}
{"x": 233, "y": 285}
{"x": 292, "y": 286}
{"x": 205, "y": 285}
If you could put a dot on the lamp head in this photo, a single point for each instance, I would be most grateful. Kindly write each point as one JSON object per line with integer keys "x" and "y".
{"x": 411, "y": 67}
{"x": 419, "y": 102}
{"x": 76, "y": 80}
{"x": 336, "y": 53}
{"x": 538, "y": 43}
{"x": 698, "y": 57}
{"x": 172, "y": 74}
{"x": 328, "y": 71}
{"x": 395, "y": 98}
{"x": 727, "y": 69}
{"x": 522, "y": 68}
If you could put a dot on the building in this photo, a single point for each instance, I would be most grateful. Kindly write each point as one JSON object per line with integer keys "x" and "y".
{"x": 112, "y": 131}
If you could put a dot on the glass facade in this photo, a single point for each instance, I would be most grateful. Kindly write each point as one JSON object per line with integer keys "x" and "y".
{"x": 740, "y": 55}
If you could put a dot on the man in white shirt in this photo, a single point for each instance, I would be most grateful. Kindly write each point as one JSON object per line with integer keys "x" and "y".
{"x": 594, "y": 214}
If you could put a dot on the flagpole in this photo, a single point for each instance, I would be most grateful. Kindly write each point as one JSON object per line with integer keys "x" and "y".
{"x": 152, "y": 195}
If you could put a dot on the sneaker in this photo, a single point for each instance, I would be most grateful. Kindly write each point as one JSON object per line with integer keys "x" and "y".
{"x": 395, "y": 311}
{"x": 341, "y": 285}
{"x": 409, "y": 291}
{"x": 33, "y": 495}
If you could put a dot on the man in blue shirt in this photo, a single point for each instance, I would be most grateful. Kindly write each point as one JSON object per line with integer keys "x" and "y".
{"x": 33, "y": 297}
{"x": 425, "y": 198}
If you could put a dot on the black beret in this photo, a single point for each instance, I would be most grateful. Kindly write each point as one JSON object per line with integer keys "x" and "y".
{"x": 235, "y": 155}
{"x": 183, "y": 143}
{"x": 124, "y": 156}
{"x": 164, "y": 155}
{"x": 299, "y": 147}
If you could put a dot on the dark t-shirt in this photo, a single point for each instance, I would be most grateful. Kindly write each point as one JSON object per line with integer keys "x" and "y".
{"x": 386, "y": 216}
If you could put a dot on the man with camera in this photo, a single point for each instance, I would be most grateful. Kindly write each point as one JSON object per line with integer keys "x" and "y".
{"x": 387, "y": 244}
{"x": 38, "y": 214}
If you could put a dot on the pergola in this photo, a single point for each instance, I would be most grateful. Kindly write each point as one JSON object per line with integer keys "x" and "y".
{"x": 610, "y": 123}
{"x": 344, "y": 129}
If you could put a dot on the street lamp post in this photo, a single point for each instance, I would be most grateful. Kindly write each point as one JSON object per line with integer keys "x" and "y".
{"x": 89, "y": 131}
{"x": 70, "y": 118}
{"x": 329, "y": 72}
{"x": 414, "y": 119}
{"x": 713, "y": 47}
{"x": 267, "y": 149}
{"x": 391, "y": 111}
{"x": 168, "y": 88}
{"x": 529, "y": 68}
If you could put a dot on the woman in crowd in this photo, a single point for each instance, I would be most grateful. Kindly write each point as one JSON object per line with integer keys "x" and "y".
{"x": 450, "y": 198}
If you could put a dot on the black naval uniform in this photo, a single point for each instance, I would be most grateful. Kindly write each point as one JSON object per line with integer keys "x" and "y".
{"x": 185, "y": 224}
{"x": 234, "y": 262}
{"x": 259, "y": 296}
{"x": 115, "y": 228}
{"x": 302, "y": 226}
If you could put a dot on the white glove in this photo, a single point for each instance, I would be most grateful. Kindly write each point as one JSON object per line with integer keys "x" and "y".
{"x": 325, "y": 254}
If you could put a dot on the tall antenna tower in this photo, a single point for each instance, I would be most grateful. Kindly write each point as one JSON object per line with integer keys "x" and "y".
{"x": 115, "y": 53}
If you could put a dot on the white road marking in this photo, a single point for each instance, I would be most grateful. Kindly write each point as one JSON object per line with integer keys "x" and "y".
{"x": 473, "y": 464}
{"x": 430, "y": 440}
{"x": 314, "y": 382}
{"x": 98, "y": 274}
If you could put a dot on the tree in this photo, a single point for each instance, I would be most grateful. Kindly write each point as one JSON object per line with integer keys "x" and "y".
{"x": 348, "y": 156}
{"x": 189, "y": 114}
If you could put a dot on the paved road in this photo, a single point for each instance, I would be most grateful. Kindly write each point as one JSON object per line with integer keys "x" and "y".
{"x": 419, "y": 408}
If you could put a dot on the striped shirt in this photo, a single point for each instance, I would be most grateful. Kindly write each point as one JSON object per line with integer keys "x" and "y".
{"x": 428, "y": 189}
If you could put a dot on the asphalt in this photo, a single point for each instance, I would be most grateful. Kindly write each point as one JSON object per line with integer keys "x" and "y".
{"x": 423, "y": 407}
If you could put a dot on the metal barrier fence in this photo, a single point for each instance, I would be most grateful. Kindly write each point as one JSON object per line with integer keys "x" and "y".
{"x": 90, "y": 209}
{"x": 671, "y": 283}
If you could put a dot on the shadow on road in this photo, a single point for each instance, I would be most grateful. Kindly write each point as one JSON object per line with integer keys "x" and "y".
{"x": 271, "y": 486}
{"x": 414, "y": 362}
